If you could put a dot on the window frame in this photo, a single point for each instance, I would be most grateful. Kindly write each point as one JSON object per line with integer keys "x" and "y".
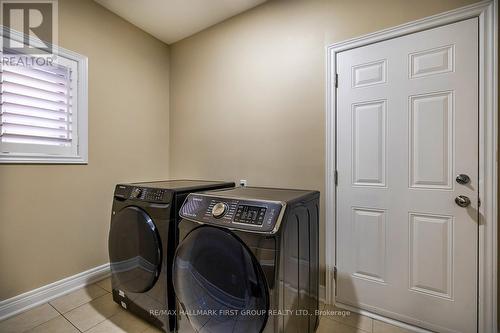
{"x": 80, "y": 155}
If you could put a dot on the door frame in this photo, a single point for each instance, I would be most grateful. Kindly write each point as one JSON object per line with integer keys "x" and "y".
{"x": 487, "y": 13}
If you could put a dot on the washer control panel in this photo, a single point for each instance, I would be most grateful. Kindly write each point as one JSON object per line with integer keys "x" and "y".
{"x": 235, "y": 213}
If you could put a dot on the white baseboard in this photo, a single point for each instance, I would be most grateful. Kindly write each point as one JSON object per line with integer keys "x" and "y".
{"x": 30, "y": 299}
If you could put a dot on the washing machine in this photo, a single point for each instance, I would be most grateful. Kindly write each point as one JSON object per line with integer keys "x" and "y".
{"x": 142, "y": 240}
{"x": 248, "y": 260}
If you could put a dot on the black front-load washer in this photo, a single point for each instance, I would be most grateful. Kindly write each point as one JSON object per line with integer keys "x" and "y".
{"x": 247, "y": 261}
{"x": 142, "y": 240}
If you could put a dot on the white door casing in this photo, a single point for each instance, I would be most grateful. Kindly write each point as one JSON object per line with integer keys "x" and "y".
{"x": 407, "y": 124}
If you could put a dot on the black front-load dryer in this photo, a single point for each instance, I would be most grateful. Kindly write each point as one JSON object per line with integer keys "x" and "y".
{"x": 142, "y": 240}
{"x": 247, "y": 261}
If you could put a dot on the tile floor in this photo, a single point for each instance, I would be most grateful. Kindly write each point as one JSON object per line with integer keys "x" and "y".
{"x": 91, "y": 309}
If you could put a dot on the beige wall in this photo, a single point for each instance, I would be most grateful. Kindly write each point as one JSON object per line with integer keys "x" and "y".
{"x": 54, "y": 218}
{"x": 247, "y": 96}
{"x": 246, "y": 101}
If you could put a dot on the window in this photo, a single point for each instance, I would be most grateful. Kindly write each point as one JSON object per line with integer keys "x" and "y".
{"x": 43, "y": 110}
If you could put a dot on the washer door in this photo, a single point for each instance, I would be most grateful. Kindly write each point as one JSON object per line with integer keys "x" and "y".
{"x": 219, "y": 283}
{"x": 134, "y": 250}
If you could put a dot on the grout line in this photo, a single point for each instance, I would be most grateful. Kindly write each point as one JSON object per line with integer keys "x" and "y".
{"x": 106, "y": 278}
{"x": 53, "y": 307}
{"x": 72, "y": 324}
{"x": 79, "y": 306}
{"x": 95, "y": 283}
{"x": 91, "y": 327}
{"x": 38, "y": 324}
{"x": 62, "y": 315}
{"x": 87, "y": 302}
{"x": 120, "y": 309}
{"x": 1, "y": 321}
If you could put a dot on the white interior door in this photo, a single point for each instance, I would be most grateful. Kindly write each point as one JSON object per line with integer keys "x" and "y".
{"x": 407, "y": 125}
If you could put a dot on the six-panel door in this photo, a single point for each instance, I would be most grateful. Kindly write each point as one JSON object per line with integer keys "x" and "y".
{"x": 407, "y": 125}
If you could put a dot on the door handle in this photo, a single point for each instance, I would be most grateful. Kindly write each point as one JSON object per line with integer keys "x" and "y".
{"x": 462, "y": 201}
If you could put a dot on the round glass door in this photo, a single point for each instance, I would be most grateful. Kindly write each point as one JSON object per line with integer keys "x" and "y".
{"x": 219, "y": 283}
{"x": 134, "y": 250}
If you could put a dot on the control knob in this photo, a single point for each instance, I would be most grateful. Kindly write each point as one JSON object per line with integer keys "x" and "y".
{"x": 219, "y": 210}
{"x": 136, "y": 193}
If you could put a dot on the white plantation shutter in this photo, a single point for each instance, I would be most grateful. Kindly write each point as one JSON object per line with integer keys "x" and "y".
{"x": 37, "y": 106}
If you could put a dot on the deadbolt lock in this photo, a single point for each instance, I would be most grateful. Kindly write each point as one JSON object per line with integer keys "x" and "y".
{"x": 463, "y": 179}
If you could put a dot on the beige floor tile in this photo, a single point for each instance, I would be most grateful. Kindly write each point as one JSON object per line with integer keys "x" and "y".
{"x": 105, "y": 284}
{"x": 78, "y": 297}
{"x": 381, "y": 327}
{"x": 153, "y": 329}
{"x": 56, "y": 325}
{"x": 90, "y": 314}
{"x": 29, "y": 319}
{"x": 348, "y": 318}
{"x": 120, "y": 323}
{"x": 185, "y": 325}
{"x": 331, "y": 326}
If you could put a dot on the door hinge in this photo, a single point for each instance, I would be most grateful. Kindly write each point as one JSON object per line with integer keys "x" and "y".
{"x": 336, "y": 177}
{"x": 478, "y": 202}
{"x": 335, "y": 273}
{"x": 336, "y": 80}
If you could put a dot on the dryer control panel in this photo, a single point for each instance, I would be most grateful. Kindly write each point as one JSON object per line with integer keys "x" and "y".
{"x": 129, "y": 192}
{"x": 234, "y": 213}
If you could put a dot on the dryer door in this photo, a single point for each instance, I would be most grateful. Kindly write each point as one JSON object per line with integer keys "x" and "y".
{"x": 134, "y": 250}
{"x": 219, "y": 283}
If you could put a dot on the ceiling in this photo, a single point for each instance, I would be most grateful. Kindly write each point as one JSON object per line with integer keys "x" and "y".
{"x": 173, "y": 20}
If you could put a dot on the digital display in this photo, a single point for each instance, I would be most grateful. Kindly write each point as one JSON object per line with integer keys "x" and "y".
{"x": 250, "y": 214}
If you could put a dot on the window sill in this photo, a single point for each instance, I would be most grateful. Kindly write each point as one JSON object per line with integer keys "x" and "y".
{"x": 18, "y": 159}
